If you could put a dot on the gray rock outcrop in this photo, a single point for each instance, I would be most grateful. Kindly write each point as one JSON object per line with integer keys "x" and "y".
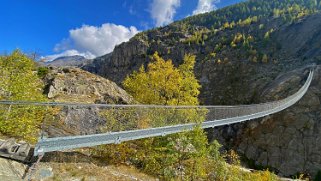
{"x": 11, "y": 170}
{"x": 76, "y": 85}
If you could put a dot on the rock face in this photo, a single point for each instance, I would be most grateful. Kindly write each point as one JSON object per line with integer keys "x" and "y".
{"x": 289, "y": 141}
{"x": 115, "y": 65}
{"x": 76, "y": 85}
{"x": 11, "y": 170}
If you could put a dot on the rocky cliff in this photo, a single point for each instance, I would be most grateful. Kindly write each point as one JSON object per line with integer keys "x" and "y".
{"x": 76, "y": 85}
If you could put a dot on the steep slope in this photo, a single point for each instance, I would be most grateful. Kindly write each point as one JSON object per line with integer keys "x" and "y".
{"x": 254, "y": 38}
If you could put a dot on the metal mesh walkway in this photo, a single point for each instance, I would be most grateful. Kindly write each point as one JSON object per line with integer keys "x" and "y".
{"x": 162, "y": 120}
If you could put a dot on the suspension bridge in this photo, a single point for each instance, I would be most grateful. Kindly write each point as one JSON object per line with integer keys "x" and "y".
{"x": 215, "y": 116}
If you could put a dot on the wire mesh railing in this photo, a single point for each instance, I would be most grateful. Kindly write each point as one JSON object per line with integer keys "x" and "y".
{"x": 76, "y": 125}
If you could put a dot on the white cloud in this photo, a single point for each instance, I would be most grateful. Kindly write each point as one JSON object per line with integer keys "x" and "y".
{"x": 92, "y": 41}
{"x": 204, "y": 6}
{"x": 163, "y": 11}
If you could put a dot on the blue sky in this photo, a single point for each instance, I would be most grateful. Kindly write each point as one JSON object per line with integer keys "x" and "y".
{"x": 90, "y": 28}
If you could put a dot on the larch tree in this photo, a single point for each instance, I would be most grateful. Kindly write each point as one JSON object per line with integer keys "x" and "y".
{"x": 164, "y": 84}
{"x": 19, "y": 81}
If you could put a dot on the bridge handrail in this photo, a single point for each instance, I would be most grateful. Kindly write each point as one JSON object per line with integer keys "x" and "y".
{"x": 71, "y": 142}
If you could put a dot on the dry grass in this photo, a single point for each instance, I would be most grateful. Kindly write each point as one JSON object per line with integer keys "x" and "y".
{"x": 89, "y": 171}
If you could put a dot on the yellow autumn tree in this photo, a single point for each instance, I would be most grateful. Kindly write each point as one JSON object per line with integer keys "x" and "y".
{"x": 19, "y": 81}
{"x": 163, "y": 84}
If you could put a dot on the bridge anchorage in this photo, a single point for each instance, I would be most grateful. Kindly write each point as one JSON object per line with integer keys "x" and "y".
{"x": 213, "y": 116}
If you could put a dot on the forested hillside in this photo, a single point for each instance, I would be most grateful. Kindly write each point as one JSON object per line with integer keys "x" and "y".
{"x": 249, "y": 37}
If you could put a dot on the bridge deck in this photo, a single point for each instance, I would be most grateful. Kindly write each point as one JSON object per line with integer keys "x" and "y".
{"x": 215, "y": 116}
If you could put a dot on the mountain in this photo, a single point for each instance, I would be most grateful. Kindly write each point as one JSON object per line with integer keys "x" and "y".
{"x": 241, "y": 50}
{"x": 253, "y": 37}
{"x": 75, "y": 60}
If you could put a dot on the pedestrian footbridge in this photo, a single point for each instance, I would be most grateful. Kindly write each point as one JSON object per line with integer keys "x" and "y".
{"x": 161, "y": 120}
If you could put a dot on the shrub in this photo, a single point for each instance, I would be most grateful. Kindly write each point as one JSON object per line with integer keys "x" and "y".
{"x": 42, "y": 71}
